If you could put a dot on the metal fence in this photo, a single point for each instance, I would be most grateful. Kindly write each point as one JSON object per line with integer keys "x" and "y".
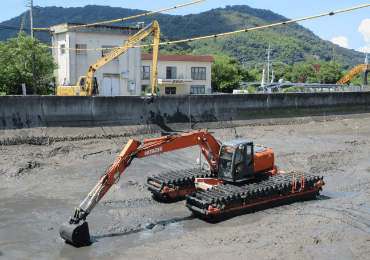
{"x": 270, "y": 87}
{"x": 332, "y": 89}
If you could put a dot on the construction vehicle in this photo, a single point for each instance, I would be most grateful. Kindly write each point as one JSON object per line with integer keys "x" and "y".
{"x": 241, "y": 178}
{"x": 353, "y": 73}
{"x": 88, "y": 86}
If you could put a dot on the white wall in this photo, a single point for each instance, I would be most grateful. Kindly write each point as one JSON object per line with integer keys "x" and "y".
{"x": 63, "y": 71}
{"x": 183, "y": 69}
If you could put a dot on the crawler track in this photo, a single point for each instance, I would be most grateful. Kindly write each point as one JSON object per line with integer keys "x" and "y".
{"x": 174, "y": 185}
{"x": 229, "y": 200}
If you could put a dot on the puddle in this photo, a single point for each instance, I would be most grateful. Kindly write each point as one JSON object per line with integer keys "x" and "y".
{"x": 327, "y": 195}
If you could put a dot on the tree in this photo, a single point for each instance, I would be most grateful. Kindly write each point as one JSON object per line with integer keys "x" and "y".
{"x": 227, "y": 73}
{"x": 187, "y": 52}
{"x": 17, "y": 57}
{"x": 302, "y": 73}
{"x": 315, "y": 62}
{"x": 254, "y": 75}
{"x": 281, "y": 71}
{"x": 330, "y": 73}
{"x": 355, "y": 81}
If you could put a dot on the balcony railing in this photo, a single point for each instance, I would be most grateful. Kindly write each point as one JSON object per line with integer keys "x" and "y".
{"x": 198, "y": 76}
{"x": 145, "y": 75}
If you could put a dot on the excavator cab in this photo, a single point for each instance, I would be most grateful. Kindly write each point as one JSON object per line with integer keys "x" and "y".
{"x": 236, "y": 160}
{"x": 95, "y": 91}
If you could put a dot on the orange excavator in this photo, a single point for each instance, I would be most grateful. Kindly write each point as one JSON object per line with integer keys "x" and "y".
{"x": 241, "y": 178}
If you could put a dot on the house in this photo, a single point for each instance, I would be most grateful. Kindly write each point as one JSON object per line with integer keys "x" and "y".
{"x": 120, "y": 76}
{"x": 178, "y": 74}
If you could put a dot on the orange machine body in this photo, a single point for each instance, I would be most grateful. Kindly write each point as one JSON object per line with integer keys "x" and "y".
{"x": 263, "y": 160}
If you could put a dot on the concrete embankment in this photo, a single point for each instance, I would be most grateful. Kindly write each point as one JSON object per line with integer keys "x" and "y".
{"x": 23, "y": 117}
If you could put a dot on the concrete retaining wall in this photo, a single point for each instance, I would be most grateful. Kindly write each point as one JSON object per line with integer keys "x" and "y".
{"x": 25, "y": 112}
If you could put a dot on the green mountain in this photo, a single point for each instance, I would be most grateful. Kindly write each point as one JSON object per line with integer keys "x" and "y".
{"x": 290, "y": 42}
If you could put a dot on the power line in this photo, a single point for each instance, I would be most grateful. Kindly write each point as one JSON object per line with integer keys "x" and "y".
{"x": 6, "y": 27}
{"x": 250, "y": 29}
{"x": 259, "y": 27}
{"x": 122, "y": 19}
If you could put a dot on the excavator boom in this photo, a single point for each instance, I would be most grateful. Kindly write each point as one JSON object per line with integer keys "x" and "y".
{"x": 117, "y": 52}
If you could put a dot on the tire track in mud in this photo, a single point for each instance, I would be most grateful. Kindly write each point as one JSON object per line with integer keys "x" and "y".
{"x": 131, "y": 203}
{"x": 354, "y": 217}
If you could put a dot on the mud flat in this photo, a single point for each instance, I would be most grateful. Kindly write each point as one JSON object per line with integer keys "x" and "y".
{"x": 41, "y": 184}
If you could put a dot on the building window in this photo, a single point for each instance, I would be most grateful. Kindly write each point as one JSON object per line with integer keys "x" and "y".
{"x": 62, "y": 49}
{"x": 170, "y": 91}
{"x": 198, "y": 73}
{"x": 108, "y": 49}
{"x": 170, "y": 72}
{"x": 197, "y": 89}
{"x": 145, "y": 72}
{"x": 81, "y": 49}
{"x": 144, "y": 87}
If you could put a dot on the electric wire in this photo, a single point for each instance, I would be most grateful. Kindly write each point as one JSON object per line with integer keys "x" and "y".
{"x": 230, "y": 33}
{"x": 259, "y": 27}
{"x": 122, "y": 19}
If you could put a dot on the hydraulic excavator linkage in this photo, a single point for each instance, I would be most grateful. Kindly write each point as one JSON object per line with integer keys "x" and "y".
{"x": 241, "y": 178}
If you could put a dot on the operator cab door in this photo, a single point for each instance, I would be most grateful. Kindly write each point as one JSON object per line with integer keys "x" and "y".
{"x": 243, "y": 162}
{"x": 249, "y": 162}
{"x": 95, "y": 87}
{"x": 236, "y": 160}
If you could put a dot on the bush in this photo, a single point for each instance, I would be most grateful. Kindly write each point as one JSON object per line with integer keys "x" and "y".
{"x": 250, "y": 89}
{"x": 293, "y": 88}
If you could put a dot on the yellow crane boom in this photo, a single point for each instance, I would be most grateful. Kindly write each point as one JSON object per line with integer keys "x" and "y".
{"x": 352, "y": 73}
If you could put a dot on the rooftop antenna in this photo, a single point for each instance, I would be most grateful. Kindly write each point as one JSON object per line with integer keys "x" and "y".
{"x": 139, "y": 25}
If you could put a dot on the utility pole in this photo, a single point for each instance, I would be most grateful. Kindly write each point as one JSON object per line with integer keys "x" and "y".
{"x": 366, "y": 60}
{"x": 333, "y": 55}
{"x": 263, "y": 78}
{"x": 34, "y": 62}
{"x": 268, "y": 63}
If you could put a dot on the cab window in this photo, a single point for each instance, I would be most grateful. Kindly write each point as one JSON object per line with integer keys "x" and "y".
{"x": 226, "y": 157}
{"x": 239, "y": 159}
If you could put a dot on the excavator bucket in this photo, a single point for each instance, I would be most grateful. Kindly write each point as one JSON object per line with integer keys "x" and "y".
{"x": 77, "y": 235}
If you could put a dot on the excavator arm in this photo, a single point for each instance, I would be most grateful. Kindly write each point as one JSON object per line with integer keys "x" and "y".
{"x": 132, "y": 150}
{"x": 88, "y": 86}
{"x": 156, "y": 39}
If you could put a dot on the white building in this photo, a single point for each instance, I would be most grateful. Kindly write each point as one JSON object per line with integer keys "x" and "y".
{"x": 121, "y": 76}
{"x": 179, "y": 74}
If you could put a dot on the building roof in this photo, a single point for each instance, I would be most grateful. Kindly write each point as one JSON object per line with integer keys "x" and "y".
{"x": 177, "y": 57}
{"x": 98, "y": 28}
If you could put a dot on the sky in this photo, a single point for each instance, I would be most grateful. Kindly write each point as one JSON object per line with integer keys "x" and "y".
{"x": 350, "y": 29}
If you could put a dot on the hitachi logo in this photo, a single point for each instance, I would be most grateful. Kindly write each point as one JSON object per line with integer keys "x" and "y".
{"x": 155, "y": 150}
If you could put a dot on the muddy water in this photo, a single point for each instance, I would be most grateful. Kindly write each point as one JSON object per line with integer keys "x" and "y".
{"x": 41, "y": 185}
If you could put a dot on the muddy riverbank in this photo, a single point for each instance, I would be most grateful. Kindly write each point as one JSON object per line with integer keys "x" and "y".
{"x": 41, "y": 184}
